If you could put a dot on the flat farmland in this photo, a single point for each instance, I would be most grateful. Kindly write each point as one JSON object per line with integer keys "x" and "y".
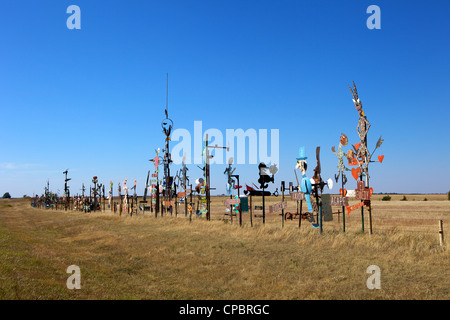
{"x": 143, "y": 257}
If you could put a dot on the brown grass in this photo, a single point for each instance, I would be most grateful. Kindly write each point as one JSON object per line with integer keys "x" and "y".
{"x": 141, "y": 257}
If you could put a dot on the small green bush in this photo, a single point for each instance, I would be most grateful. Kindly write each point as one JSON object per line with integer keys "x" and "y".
{"x": 6, "y": 195}
{"x": 404, "y": 199}
{"x": 425, "y": 199}
{"x": 386, "y": 198}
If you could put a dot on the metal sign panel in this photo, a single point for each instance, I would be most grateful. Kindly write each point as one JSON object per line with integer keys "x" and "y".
{"x": 362, "y": 193}
{"x": 278, "y": 207}
{"x": 356, "y": 206}
{"x": 327, "y": 213}
{"x": 297, "y": 196}
{"x": 339, "y": 201}
{"x": 244, "y": 204}
{"x": 231, "y": 202}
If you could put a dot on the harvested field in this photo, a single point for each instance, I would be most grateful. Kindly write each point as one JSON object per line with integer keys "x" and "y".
{"x": 141, "y": 257}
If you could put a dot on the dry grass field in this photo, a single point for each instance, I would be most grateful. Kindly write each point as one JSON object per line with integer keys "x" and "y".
{"x": 141, "y": 257}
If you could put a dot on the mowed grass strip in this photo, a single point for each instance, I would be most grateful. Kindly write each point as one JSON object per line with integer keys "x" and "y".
{"x": 141, "y": 257}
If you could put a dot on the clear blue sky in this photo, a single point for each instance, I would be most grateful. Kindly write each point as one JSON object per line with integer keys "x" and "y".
{"x": 92, "y": 100}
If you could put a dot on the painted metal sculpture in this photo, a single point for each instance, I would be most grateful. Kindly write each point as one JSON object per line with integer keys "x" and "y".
{"x": 146, "y": 188}
{"x": 312, "y": 186}
{"x": 201, "y": 189}
{"x": 154, "y": 183}
{"x": 167, "y": 126}
{"x": 134, "y": 198}
{"x": 119, "y": 191}
{"x": 155, "y": 160}
{"x": 110, "y": 194}
{"x": 66, "y": 190}
{"x": 184, "y": 183}
{"x": 305, "y": 185}
{"x": 362, "y": 155}
{"x": 265, "y": 174}
{"x": 206, "y": 173}
{"x": 343, "y": 141}
{"x": 318, "y": 186}
{"x": 95, "y": 193}
{"x": 230, "y": 181}
{"x": 362, "y": 158}
{"x": 125, "y": 196}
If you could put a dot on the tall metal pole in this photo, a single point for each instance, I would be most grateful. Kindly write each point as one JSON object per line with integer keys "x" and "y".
{"x": 167, "y": 126}
{"x": 66, "y": 190}
{"x": 251, "y": 210}
{"x": 191, "y": 204}
{"x": 185, "y": 179}
{"x": 208, "y": 183}
{"x": 282, "y": 200}
{"x": 343, "y": 207}
{"x": 264, "y": 205}
{"x": 369, "y": 202}
{"x": 208, "y": 177}
{"x": 239, "y": 197}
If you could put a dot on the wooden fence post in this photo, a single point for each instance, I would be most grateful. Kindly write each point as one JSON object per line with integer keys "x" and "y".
{"x": 441, "y": 233}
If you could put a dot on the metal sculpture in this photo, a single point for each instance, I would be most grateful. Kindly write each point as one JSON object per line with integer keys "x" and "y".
{"x": 255, "y": 192}
{"x": 167, "y": 126}
{"x": 305, "y": 186}
{"x": 96, "y": 191}
{"x": 297, "y": 195}
{"x": 154, "y": 183}
{"x": 66, "y": 190}
{"x": 184, "y": 183}
{"x": 202, "y": 199}
{"x": 343, "y": 141}
{"x": 361, "y": 157}
{"x": 125, "y": 196}
{"x": 206, "y": 174}
{"x": 230, "y": 181}
{"x": 133, "y": 199}
{"x": 103, "y": 198}
{"x": 266, "y": 176}
{"x": 313, "y": 187}
{"x": 233, "y": 183}
{"x": 110, "y": 194}
{"x": 318, "y": 186}
{"x": 144, "y": 199}
{"x": 119, "y": 190}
